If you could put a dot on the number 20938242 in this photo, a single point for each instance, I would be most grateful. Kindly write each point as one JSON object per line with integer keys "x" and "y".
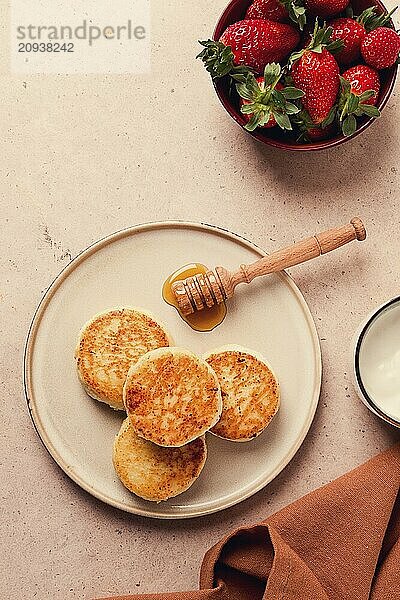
{"x": 45, "y": 47}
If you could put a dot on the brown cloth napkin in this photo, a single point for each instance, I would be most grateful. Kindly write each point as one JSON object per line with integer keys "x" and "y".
{"x": 341, "y": 542}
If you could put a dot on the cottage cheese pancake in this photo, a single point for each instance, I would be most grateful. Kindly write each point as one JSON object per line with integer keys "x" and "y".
{"x": 109, "y": 344}
{"x": 156, "y": 473}
{"x": 250, "y": 392}
{"x": 172, "y": 397}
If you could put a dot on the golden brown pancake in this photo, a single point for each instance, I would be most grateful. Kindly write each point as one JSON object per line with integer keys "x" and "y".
{"x": 172, "y": 397}
{"x": 109, "y": 344}
{"x": 156, "y": 473}
{"x": 250, "y": 392}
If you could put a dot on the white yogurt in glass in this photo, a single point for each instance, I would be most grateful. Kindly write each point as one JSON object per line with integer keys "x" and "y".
{"x": 377, "y": 361}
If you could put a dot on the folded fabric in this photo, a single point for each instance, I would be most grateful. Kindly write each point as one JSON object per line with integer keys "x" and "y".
{"x": 341, "y": 542}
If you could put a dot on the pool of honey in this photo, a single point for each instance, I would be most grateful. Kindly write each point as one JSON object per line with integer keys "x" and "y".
{"x": 203, "y": 320}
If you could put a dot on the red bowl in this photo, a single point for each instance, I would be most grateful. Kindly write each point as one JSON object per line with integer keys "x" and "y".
{"x": 235, "y": 11}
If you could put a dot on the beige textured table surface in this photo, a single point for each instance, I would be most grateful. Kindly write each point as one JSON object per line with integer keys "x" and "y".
{"x": 83, "y": 156}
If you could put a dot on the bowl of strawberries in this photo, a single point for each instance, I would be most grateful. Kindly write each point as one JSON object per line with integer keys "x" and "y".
{"x": 303, "y": 74}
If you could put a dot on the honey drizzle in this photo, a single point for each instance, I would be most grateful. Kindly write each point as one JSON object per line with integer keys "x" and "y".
{"x": 203, "y": 320}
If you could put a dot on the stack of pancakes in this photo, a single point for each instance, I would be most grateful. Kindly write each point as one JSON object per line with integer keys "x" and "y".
{"x": 172, "y": 397}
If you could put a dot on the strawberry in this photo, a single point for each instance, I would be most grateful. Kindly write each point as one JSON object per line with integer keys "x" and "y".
{"x": 315, "y": 71}
{"x": 278, "y": 10}
{"x": 360, "y": 87}
{"x": 264, "y": 101}
{"x": 272, "y": 10}
{"x": 257, "y": 42}
{"x": 352, "y": 31}
{"x": 319, "y": 134}
{"x": 352, "y": 34}
{"x": 363, "y": 78}
{"x": 380, "y": 48}
{"x": 325, "y": 8}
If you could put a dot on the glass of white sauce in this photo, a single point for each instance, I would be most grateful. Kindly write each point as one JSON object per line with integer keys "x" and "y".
{"x": 377, "y": 362}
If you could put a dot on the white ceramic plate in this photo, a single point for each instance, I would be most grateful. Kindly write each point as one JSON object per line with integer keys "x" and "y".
{"x": 128, "y": 269}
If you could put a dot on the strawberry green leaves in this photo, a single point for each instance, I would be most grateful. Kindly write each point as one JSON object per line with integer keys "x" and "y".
{"x": 320, "y": 39}
{"x": 297, "y": 12}
{"x": 266, "y": 102}
{"x": 219, "y": 61}
{"x": 349, "y": 125}
{"x": 292, "y": 93}
{"x": 370, "y": 20}
{"x": 352, "y": 105}
{"x": 306, "y": 128}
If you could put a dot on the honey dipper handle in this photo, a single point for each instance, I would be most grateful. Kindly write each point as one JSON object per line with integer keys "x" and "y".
{"x": 301, "y": 252}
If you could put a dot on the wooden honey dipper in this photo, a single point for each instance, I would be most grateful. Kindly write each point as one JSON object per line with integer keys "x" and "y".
{"x": 214, "y": 287}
